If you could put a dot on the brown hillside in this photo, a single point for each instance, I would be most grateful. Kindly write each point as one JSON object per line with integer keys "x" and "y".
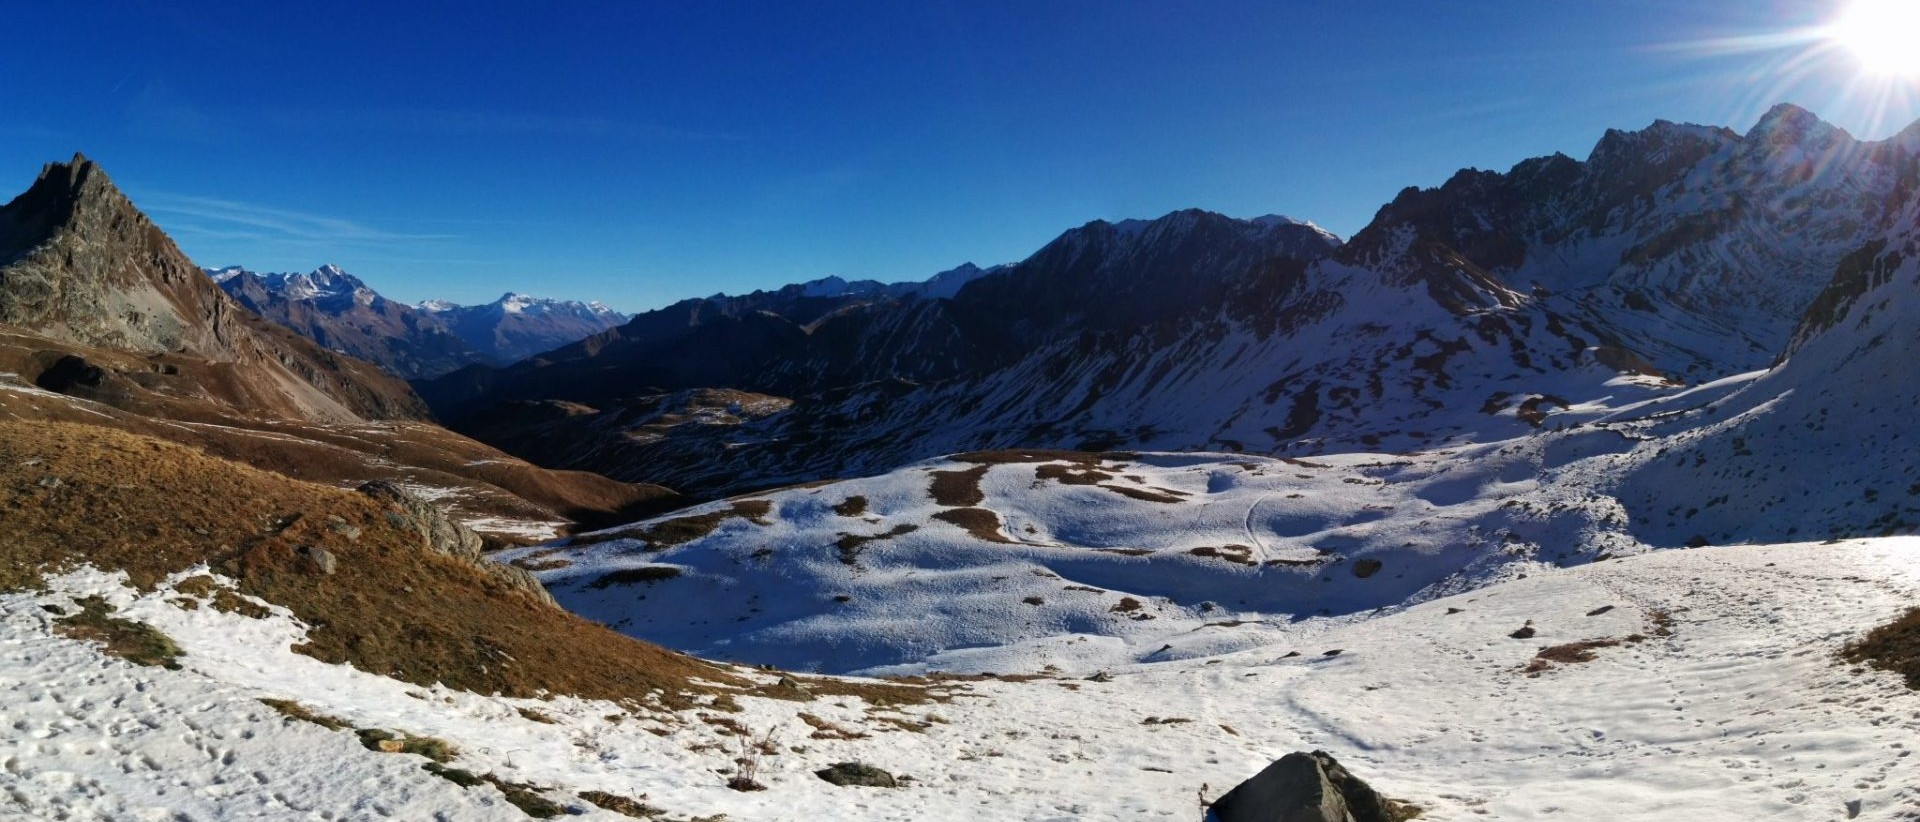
{"x": 73, "y": 494}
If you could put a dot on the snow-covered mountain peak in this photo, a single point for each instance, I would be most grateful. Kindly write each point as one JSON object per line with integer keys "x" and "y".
{"x": 225, "y": 273}
{"x": 1787, "y": 121}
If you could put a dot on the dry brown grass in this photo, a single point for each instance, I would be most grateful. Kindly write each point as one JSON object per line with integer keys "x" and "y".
{"x": 1894, "y": 647}
{"x": 980, "y": 523}
{"x": 623, "y": 805}
{"x": 851, "y": 506}
{"x": 1571, "y": 653}
{"x": 958, "y": 489}
{"x": 296, "y": 711}
{"x": 823, "y": 729}
{"x": 667, "y": 533}
{"x": 1073, "y": 474}
{"x": 1161, "y": 495}
{"x": 152, "y": 508}
{"x": 1015, "y": 456}
{"x": 1237, "y": 554}
{"x": 135, "y": 642}
{"x": 494, "y": 483}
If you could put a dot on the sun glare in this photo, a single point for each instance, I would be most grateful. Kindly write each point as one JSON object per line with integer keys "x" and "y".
{"x": 1882, "y": 35}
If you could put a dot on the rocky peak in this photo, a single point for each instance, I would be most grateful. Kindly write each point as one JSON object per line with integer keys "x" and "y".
{"x": 79, "y": 264}
{"x": 1788, "y": 121}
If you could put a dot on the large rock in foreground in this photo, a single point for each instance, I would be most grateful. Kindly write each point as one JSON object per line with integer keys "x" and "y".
{"x": 1303, "y": 787}
{"x": 441, "y": 535}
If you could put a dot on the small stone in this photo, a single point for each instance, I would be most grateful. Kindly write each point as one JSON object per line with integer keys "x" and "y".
{"x": 319, "y": 560}
{"x": 392, "y": 745}
{"x": 50, "y": 482}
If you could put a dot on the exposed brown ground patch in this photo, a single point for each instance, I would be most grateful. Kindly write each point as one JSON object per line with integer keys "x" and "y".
{"x": 1072, "y": 474}
{"x": 1894, "y": 647}
{"x": 1238, "y": 554}
{"x": 851, "y": 545}
{"x": 980, "y": 523}
{"x": 958, "y": 489}
{"x": 1162, "y": 495}
{"x": 1571, "y": 653}
{"x": 663, "y": 534}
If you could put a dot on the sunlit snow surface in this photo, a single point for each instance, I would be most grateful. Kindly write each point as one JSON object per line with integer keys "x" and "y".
{"x": 1740, "y": 714}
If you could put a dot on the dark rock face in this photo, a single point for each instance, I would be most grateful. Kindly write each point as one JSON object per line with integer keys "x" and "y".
{"x": 1303, "y": 787}
{"x": 442, "y": 535}
{"x": 81, "y": 267}
{"x": 1097, "y": 279}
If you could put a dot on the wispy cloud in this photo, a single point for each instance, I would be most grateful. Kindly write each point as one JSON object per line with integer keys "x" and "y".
{"x": 457, "y": 122}
{"x": 158, "y": 111}
{"x": 231, "y": 219}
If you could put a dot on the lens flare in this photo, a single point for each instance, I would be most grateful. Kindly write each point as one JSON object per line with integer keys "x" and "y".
{"x": 1882, "y": 35}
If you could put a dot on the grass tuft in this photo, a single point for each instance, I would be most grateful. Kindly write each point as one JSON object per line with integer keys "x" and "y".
{"x": 135, "y": 642}
{"x": 294, "y": 710}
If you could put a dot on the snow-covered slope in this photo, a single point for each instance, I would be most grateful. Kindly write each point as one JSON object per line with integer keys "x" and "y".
{"x": 1709, "y": 693}
{"x": 1819, "y": 446}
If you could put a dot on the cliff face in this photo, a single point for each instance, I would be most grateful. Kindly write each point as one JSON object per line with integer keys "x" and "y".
{"x": 82, "y": 268}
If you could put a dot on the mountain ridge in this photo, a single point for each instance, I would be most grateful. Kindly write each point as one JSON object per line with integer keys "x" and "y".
{"x": 340, "y": 311}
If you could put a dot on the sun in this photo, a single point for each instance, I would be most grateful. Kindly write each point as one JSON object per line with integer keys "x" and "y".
{"x": 1884, "y": 35}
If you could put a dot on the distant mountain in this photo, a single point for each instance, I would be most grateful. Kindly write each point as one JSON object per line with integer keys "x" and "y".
{"x": 1495, "y": 303}
{"x": 340, "y": 312}
{"x": 517, "y": 326}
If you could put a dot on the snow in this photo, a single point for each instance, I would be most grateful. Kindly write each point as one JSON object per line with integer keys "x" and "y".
{"x": 91, "y": 737}
{"x": 1740, "y": 714}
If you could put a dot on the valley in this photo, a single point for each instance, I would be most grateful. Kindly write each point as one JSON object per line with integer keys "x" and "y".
{"x": 1583, "y": 485}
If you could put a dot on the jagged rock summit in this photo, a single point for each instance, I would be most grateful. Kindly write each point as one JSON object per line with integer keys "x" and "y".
{"x": 82, "y": 268}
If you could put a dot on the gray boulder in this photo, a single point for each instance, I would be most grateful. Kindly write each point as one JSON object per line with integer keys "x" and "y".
{"x": 858, "y": 774}
{"x": 1303, "y": 787}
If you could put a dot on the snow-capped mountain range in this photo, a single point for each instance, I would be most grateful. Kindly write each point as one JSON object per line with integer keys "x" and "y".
{"x": 1475, "y": 311}
{"x": 339, "y": 311}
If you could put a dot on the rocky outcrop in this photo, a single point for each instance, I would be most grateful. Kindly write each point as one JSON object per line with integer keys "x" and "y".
{"x": 1304, "y": 787}
{"x": 441, "y": 535}
{"x": 81, "y": 267}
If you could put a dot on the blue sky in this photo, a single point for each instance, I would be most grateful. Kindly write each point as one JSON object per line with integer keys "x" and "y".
{"x": 639, "y": 152}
